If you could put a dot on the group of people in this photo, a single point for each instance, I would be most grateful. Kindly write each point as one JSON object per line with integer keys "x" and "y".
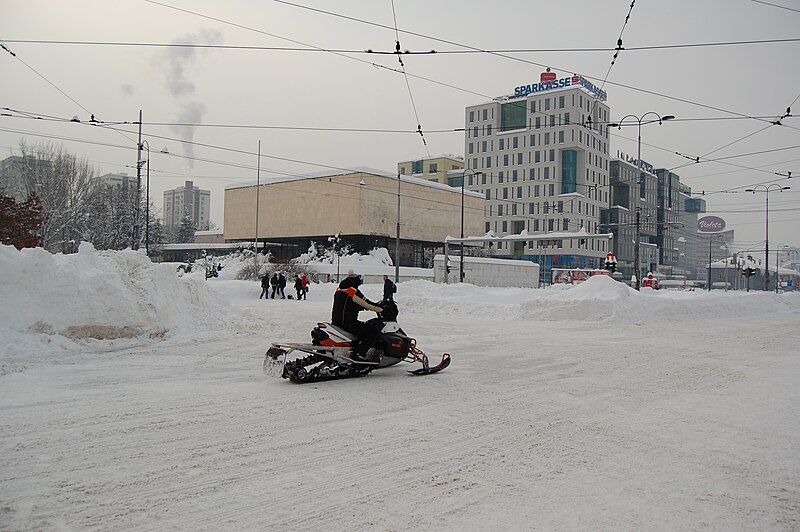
{"x": 278, "y": 284}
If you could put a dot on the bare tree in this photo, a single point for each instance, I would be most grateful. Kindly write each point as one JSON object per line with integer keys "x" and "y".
{"x": 64, "y": 184}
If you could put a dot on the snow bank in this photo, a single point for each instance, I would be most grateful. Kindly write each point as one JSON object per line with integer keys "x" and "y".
{"x": 100, "y": 295}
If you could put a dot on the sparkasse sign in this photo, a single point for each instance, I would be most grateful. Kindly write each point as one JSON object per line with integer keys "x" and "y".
{"x": 710, "y": 224}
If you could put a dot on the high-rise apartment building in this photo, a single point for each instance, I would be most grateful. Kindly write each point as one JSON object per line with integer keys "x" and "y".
{"x": 187, "y": 200}
{"x": 20, "y": 176}
{"x": 540, "y": 157}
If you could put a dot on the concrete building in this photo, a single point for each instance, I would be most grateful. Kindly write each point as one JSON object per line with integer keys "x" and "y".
{"x": 19, "y": 175}
{"x": 361, "y": 207}
{"x": 433, "y": 169}
{"x": 540, "y": 158}
{"x": 187, "y": 200}
{"x": 121, "y": 179}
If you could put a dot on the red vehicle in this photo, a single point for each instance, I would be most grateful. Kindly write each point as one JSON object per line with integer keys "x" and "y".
{"x": 651, "y": 282}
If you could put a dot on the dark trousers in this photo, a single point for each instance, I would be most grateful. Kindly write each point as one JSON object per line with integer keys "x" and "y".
{"x": 367, "y": 335}
{"x": 264, "y": 291}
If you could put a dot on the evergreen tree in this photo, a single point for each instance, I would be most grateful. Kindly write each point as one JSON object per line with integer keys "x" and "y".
{"x": 186, "y": 230}
{"x": 21, "y": 223}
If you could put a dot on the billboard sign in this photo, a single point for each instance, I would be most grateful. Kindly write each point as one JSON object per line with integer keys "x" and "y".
{"x": 710, "y": 224}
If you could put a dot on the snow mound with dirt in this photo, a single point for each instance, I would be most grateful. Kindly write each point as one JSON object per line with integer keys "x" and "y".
{"x": 102, "y": 295}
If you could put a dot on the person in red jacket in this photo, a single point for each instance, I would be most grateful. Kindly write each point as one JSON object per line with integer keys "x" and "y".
{"x": 348, "y": 301}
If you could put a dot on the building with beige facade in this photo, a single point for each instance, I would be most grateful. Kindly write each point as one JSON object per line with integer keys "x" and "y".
{"x": 432, "y": 169}
{"x": 361, "y": 206}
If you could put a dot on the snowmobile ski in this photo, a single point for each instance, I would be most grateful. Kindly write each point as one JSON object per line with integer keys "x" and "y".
{"x": 428, "y": 370}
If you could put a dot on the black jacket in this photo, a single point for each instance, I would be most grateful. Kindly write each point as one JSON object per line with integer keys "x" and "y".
{"x": 348, "y": 301}
{"x": 389, "y": 288}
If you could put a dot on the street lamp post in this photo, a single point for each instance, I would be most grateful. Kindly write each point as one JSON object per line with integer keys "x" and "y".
{"x": 146, "y": 146}
{"x": 766, "y": 189}
{"x": 682, "y": 240}
{"x": 639, "y": 120}
{"x": 725, "y": 247}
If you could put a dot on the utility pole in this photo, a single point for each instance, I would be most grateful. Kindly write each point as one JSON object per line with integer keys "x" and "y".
{"x": 397, "y": 237}
{"x": 258, "y": 191}
{"x": 135, "y": 242}
{"x": 636, "y": 245}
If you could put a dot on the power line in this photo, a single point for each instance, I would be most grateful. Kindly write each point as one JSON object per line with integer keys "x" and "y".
{"x": 242, "y": 47}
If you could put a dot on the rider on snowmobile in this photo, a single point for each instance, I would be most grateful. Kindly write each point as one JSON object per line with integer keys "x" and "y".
{"x": 348, "y": 301}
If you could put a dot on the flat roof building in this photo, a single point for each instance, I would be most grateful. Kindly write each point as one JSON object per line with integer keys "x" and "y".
{"x": 431, "y": 169}
{"x": 360, "y": 206}
{"x": 540, "y": 158}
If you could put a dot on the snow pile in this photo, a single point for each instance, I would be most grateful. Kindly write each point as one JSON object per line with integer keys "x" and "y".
{"x": 98, "y": 295}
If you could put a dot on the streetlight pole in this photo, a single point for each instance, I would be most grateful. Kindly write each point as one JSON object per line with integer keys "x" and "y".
{"x": 685, "y": 258}
{"x": 766, "y": 189}
{"x": 639, "y": 119}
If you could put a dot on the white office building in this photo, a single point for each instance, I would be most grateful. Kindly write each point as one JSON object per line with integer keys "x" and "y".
{"x": 540, "y": 157}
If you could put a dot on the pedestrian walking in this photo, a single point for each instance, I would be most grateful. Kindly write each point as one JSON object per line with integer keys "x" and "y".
{"x": 264, "y": 286}
{"x": 304, "y": 280}
{"x": 273, "y": 282}
{"x": 389, "y": 289}
{"x": 281, "y": 284}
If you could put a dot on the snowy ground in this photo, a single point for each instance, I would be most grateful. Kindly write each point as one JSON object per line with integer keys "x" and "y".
{"x": 588, "y": 408}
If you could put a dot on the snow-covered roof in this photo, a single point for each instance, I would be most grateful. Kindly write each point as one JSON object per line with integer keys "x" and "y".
{"x": 354, "y": 170}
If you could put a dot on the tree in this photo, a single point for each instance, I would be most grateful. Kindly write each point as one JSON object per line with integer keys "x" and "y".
{"x": 64, "y": 185}
{"x": 21, "y": 223}
{"x": 186, "y": 230}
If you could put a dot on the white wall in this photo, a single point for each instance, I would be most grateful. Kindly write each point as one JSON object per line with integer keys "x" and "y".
{"x": 488, "y": 272}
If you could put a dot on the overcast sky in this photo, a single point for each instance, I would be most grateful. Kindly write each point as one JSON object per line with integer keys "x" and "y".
{"x": 303, "y": 105}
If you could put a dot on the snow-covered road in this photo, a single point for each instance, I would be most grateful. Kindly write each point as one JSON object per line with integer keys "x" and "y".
{"x": 588, "y": 424}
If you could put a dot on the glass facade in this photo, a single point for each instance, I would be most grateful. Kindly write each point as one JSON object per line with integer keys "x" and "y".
{"x": 569, "y": 171}
{"x": 512, "y": 115}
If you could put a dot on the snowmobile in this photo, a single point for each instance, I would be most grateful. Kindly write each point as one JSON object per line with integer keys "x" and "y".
{"x": 331, "y": 353}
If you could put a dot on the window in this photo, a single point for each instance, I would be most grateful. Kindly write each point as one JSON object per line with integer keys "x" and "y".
{"x": 500, "y": 210}
{"x": 514, "y": 209}
{"x": 505, "y": 230}
{"x": 505, "y": 160}
{"x": 533, "y": 106}
{"x": 565, "y": 227}
{"x": 519, "y": 192}
{"x": 537, "y": 156}
{"x": 433, "y": 168}
{"x": 505, "y": 193}
{"x": 552, "y": 190}
{"x": 512, "y": 116}
{"x": 546, "y": 208}
{"x": 537, "y": 123}
{"x": 472, "y": 116}
{"x": 519, "y": 158}
{"x": 515, "y": 142}
{"x": 474, "y": 131}
{"x": 550, "y": 224}
{"x": 502, "y": 143}
{"x": 483, "y": 179}
{"x": 535, "y": 193}
{"x": 547, "y": 104}
{"x": 488, "y": 162}
{"x": 552, "y": 120}
{"x": 489, "y": 129}
{"x": 488, "y": 194}
{"x": 533, "y": 140}
{"x": 484, "y": 114}
{"x": 552, "y": 155}
{"x": 560, "y": 207}
{"x": 471, "y": 148}
{"x": 483, "y": 146}
{"x": 566, "y": 118}
{"x": 560, "y": 137}
{"x": 513, "y": 175}
{"x": 500, "y": 177}
{"x": 560, "y": 102}
{"x": 547, "y": 172}
{"x": 546, "y": 139}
